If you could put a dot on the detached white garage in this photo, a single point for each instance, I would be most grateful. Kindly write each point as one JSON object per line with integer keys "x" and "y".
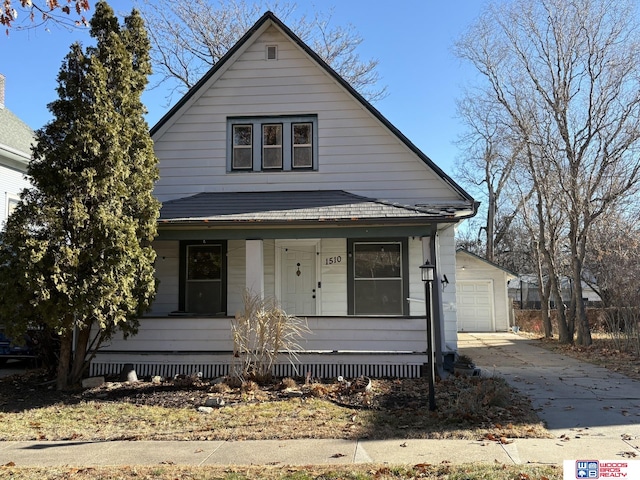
{"x": 482, "y": 302}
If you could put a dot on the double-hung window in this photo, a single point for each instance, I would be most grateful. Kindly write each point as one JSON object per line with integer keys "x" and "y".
{"x": 272, "y": 146}
{"x": 283, "y": 143}
{"x": 242, "y": 147}
{"x": 203, "y": 278}
{"x": 302, "y": 155}
{"x": 378, "y": 279}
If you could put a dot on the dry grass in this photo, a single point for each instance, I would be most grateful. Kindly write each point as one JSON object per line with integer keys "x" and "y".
{"x": 606, "y": 351}
{"x": 350, "y": 472}
{"x": 468, "y": 407}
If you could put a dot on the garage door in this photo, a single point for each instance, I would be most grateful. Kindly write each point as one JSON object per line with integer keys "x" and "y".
{"x": 475, "y": 306}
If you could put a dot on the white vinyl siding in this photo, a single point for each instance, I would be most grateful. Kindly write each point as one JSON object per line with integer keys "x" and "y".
{"x": 184, "y": 334}
{"x": 12, "y": 182}
{"x": 446, "y": 248}
{"x": 236, "y": 278}
{"x": 167, "y": 266}
{"x": 333, "y": 276}
{"x": 482, "y": 298}
{"x": 356, "y": 152}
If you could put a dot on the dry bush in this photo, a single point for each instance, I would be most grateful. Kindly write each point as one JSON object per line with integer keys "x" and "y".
{"x": 288, "y": 383}
{"x": 220, "y": 388}
{"x": 622, "y": 324}
{"x": 249, "y": 386}
{"x": 487, "y": 392}
{"x": 261, "y": 333}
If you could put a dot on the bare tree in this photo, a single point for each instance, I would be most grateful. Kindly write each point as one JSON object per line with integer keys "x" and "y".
{"x": 490, "y": 154}
{"x": 613, "y": 259}
{"x": 565, "y": 71}
{"x": 190, "y": 37}
{"x": 40, "y": 12}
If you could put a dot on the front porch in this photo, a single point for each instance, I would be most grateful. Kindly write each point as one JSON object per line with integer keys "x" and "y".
{"x": 347, "y": 346}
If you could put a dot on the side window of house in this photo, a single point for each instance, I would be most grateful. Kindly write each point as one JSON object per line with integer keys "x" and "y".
{"x": 242, "y": 155}
{"x": 285, "y": 143}
{"x": 12, "y": 202}
{"x": 202, "y": 279}
{"x": 378, "y": 279}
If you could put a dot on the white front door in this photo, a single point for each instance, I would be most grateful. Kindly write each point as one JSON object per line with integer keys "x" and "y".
{"x": 298, "y": 285}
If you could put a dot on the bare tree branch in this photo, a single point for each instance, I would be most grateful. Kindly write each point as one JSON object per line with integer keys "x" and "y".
{"x": 565, "y": 73}
{"x": 190, "y": 37}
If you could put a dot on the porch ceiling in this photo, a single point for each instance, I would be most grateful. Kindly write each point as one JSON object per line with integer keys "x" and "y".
{"x": 333, "y": 206}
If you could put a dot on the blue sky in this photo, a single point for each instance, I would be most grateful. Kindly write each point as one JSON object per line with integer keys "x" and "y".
{"x": 411, "y": 39}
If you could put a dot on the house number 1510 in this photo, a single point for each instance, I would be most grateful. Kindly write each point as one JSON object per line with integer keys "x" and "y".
{"x": 332, "y": 260}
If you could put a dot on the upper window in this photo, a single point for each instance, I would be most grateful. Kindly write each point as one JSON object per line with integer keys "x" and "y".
{"x": 273, "y": 143}
{"x": 378, "y": 280}
{"x": 272, "y": 146}
{"x": 242, "y": 147}
{"x": 302, "y": 145}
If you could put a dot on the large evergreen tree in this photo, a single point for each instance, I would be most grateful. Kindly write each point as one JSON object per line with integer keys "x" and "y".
{"x": 76, "y": 253}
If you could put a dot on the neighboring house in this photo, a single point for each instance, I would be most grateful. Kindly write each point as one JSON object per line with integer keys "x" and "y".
{"x": 483, "y": 304}
{"x": 276, "y": 176}
{"x": 15, "y": 152}
{"x": 524, "y": 290}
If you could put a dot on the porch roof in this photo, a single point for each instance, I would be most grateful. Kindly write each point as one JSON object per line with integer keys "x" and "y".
{"x": 288, "y": 207}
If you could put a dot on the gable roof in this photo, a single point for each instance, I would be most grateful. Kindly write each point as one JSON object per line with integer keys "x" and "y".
{"x": 270, "y": 19}
{"x": 488, "y": 262}
{"x": 16, "y": 138}
{"x": 333, "y": 206}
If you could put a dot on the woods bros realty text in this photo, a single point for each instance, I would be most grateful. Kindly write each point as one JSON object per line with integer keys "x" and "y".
{"x": 577, "y": 469}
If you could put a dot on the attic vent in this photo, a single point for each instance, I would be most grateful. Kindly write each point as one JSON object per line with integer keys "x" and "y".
{"x": 272, "y": 52}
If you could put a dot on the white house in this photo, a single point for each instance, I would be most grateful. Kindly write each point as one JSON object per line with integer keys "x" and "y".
{"x": 15, "y": 152}
{"x": 483, "y": 303}
{"x": 278, "y": 177}
{"x": 524, "y": 290}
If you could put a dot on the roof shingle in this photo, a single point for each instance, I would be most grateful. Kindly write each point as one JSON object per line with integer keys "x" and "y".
{"x": 292, "y": 206}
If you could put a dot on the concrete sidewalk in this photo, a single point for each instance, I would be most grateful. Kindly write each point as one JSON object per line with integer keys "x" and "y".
{"x": 313, "y": 452}
{"x": 570, "y": 396}
{"x": 592, "y": 413}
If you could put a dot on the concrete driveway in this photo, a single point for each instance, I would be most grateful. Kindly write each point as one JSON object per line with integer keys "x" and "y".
{"x": 573, "y": 398}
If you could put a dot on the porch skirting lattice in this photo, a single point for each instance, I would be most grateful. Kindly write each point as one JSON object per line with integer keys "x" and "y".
{"x": 215, "y": 370}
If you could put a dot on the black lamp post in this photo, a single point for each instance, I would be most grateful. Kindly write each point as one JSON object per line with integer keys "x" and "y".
{"x": 428, "y": 274}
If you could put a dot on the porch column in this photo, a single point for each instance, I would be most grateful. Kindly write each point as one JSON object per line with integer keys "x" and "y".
{"x": 254, "y": 268}
{"x": 429, "y": 255}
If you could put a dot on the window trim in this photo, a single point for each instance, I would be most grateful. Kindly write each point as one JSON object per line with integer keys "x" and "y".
{"x": 266, "y": 147}
{"x": 257, "y": 123}
{"x": 404, "y": 273}
{"x": 11, "y": 202}
{"x": 271, "y": 52}
{"x": 301, "y": 145}
{"x": 182, "y": 275}
{"x": 234, "y": 147}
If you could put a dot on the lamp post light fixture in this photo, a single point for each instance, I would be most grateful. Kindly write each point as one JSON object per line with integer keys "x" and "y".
{"x": 428, "y": 274}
